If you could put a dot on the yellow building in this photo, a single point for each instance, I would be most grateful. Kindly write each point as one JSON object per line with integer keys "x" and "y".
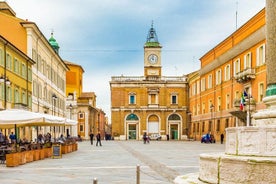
{"x": 15, "y": 80}
{"x": 152, "y": 104}
{"x": 49, "y": 70}
{"x": 232, "y": 71}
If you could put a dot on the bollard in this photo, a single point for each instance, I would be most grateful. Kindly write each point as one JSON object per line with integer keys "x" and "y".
{"x": 95, "y": 181}
{"x": 138, "y": 174}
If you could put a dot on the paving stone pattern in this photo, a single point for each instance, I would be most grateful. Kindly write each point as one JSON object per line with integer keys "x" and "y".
{"x": 114, "y": 162}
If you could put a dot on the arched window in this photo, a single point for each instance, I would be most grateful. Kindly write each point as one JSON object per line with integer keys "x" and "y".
{"x": 174, "y": 117}
{"x": 132, "y": 117}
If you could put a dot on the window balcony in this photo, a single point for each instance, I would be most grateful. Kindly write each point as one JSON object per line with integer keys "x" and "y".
{"x": 245, "y": 75}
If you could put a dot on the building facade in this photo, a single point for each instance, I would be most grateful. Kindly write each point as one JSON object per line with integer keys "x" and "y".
{"x": 90, "y": 118}
{"x": 49, "y": 70}
{"x": 231, "y": 83}
{"x": 152, "y": 104}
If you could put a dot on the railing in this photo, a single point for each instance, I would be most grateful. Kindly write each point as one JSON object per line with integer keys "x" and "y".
{"x": 245, "y": 75}
{"x": 142, "y": 78}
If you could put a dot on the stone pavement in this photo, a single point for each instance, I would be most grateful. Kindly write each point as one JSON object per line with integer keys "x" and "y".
{"x": 115, "y": 162}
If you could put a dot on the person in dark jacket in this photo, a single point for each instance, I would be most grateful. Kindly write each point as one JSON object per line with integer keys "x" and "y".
{"x": 98, "y": 139}
{"x": 221, "y": 138}
{"x": 91, "y": 138}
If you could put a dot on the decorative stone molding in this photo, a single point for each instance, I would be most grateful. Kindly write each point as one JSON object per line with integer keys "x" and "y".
{"x": 251, "y": 141}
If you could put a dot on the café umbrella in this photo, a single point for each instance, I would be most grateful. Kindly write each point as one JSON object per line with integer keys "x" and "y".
{"x": 17, "y": 117}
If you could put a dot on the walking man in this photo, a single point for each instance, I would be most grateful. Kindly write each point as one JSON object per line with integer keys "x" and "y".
{"x": 98, "y": 139}
{"x": 91, "y": 137}
{"x": 221, "y": 138}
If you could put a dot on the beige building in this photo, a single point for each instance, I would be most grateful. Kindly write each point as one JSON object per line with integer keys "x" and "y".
{"x": 152, "y": 103}
{"x": 49, "y": 70}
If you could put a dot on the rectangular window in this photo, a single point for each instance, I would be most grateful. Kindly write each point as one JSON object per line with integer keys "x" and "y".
{"x": 131, "y": 99}
{"x": 197, "y": 87}
{"x": 16, "y": 66}
{"x": 203, "y": 127}
{"x": 261, "y": 92}
{"x": 24, "y": 98}
{"x": 227, "y": 101}
{"x": 23, "y": 70}
{"x": 30, "y": 101}
{"x": 193, "y": 89}
{"x": 203, "y": 108}
{"x": 210, "y": 80}
{"x": 9, "y": 61}
{"x": 1, "y": 57}
{"x": 219, "y": 103}
{"x": 203, "y": 84}
{"x": 261, "y": 55}
{"x": 81, "y": 128}
{"x": 227, "y": 73}
{"x": 174, "y": 99}
{"x": 247, "y": 60}
{"x": 218, "y": 125}
{"x": 237, "y": 66}
{"x": 81, "y": 115}
{"x": 16, "y": 96}
{"x": 226, "y": 123}
{"x": 30, "y": 74}
{"x": 209, "y": 126}
{"x": 218, "y": 77}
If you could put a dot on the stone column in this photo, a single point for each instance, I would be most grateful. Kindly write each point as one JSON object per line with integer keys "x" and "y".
{"x": 268, "y": 116}
{"x": 271, "y": 46}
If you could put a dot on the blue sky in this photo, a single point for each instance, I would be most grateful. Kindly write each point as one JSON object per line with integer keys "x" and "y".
{"x": 106, "y": 37}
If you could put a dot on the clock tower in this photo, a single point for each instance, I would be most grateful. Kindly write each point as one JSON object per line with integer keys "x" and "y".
{"x": 152, "y": 55}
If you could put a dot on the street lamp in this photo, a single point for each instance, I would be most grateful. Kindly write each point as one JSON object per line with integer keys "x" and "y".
{"x": 212, "y": 116}
{"x": 54, "y": 98}
{"x": 70, "y": 108}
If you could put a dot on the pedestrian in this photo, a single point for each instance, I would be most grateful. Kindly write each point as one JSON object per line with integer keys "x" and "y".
{"x": 221, "y": 138}
{"x": 98, "y": 136}
{"x": 12, "y": 138}
{"x": 2, "y": 138}
{"x": 145, "y": 137}
{"x": 91, "y": 138}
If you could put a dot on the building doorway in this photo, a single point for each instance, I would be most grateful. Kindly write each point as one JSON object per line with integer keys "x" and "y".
{"x": 132, "y": 127}
{"x": 174, "y": 131}
{"x": 132, "y": 135}
{"x": 174, "y": 127}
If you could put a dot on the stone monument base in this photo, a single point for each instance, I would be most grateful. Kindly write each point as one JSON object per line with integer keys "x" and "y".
{"x": 250, "y": 157}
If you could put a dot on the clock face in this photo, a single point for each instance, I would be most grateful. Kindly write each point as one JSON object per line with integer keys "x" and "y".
{"x": 152, "y": 59}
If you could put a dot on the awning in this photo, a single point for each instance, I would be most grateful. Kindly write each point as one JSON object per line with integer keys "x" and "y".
{"x": 18, "y": 117}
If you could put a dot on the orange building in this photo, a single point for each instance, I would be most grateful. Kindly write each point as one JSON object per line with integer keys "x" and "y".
{"x": 74, "y": 78}
{"x": 232, "y": 71}
{"x": 152, "y": 104}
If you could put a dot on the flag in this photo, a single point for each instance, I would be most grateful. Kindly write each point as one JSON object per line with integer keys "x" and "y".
{"x": 242, "y": 103}
{"x": 245, "y": 94}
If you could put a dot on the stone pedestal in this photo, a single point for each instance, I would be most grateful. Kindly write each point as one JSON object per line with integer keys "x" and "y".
{"x": 250, "y": 156}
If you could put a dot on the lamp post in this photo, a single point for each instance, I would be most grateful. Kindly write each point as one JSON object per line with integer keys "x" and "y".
{"x": 212, "y": 116}
{"x": 54, "y": 98}
{"x": 70, "y": 108}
